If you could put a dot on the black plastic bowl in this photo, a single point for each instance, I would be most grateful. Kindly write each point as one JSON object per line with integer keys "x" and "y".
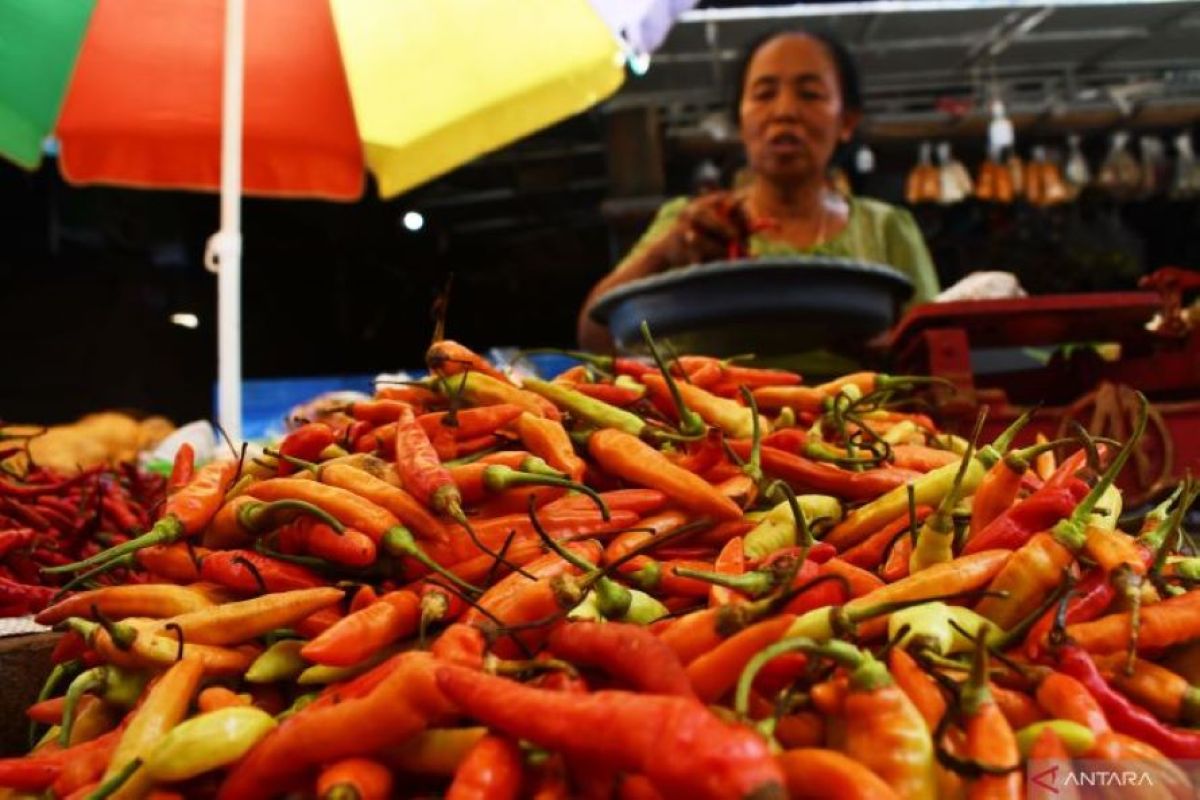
{"x": 768, "y": 306}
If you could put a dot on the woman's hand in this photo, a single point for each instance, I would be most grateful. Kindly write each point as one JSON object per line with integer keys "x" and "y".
{"x": 703, "y": 231}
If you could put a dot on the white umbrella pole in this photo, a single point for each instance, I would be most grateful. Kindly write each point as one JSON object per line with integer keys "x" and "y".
{"x": 224, "y": 252}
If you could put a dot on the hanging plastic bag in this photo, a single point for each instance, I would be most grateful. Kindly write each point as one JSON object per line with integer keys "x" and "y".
{"x": 1154, "y": 165}
{"x": 954, "y": 183}
{"x": 1120, "y": 174}
{"x": 922, "y": 183}
{"x": 1186, "y": 181}
{"x": 1078, "y": 173}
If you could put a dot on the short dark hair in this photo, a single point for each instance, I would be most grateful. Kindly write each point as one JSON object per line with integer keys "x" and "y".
{"x": 843, "y": 63}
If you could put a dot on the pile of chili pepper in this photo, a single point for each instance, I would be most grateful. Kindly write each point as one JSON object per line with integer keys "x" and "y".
{"x": 48, "y": 520}
{"x": 666, "y": 578}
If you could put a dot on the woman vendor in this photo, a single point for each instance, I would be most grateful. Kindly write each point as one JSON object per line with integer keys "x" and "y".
{"x": 797, "y": 99}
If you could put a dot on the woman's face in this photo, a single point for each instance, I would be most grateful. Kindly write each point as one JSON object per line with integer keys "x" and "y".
{"x": 791, "y": 113}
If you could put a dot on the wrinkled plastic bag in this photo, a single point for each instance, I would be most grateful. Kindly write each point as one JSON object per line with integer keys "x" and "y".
{"x": 983, "y": 286}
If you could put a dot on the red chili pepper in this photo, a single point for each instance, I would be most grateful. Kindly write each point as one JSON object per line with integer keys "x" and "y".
{"x": 26, "y": 514}
{"x": 461, "y": 644}
{"x": 118, "y": 509}
{"x": 630, "y": 653}
{"x": 825, "y": 478}
{"x": 1036, "y": 513}
{"x": 639, "y": 501}
{"x": 182, "y": 469}
{"x": 309, "y": 536}
{"x": 421, "y": 471}
{"x": 382, "y": 708}
{"x": 676, "y": 742}
{"x": 14, "y": 538}
{"x": 56, "y": 487}
{"x": 610, "y": 393}
{"x": 1124, "y": 715}
{"x": 306, "y": 443}
{"x": 241, "y": 570}
{"x": 32, "y": 598}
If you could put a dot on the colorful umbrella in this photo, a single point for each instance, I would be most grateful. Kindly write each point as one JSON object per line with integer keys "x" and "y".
{"x": 133, "y": 91}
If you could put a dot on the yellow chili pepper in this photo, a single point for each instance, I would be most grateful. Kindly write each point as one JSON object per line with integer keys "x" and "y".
{"x": 929, "y": 490}
{"x": 207, "y": 742}
{"x": 777, "y": 528}
{"x": 233, "y": 623}
{"x": 165, "y": 705}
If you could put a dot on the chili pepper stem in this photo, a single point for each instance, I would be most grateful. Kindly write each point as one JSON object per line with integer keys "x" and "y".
{"x": 165, "y": 531}
{"x": 690, "y": 423}
{"x": 754, "y": 584}
{"x": 57, "y": 675}
{"x": 84, "y": 682}
{"x": 807, "y": 540}
{"x": 1071, "y": 532}
{"x": 104, "y": 790}
{"x": 1019, "y": 631}
{"x": 299, "y": 463}
{"x": 257, "y": 517}
{"x": 399, "y": 541}
{"x": 455, "y": 512}
{"x": 499, "y": 478}
{"x": 83, "y": 577}
{"x": 753, "y": 467}
{"x": 600, "y": 362}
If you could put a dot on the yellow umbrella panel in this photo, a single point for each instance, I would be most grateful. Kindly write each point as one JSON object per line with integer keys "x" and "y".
{"x": 436, "y": 83}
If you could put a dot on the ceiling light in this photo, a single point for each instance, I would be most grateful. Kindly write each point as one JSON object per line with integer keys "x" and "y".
{"x": 413, "y": 221}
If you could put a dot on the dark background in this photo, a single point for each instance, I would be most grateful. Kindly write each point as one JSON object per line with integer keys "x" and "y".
{"x": 91, "y": 276}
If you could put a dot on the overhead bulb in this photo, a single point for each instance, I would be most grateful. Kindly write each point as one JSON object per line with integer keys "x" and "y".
{"x": 185, "y": 319}
{"x": 413, "y": 221}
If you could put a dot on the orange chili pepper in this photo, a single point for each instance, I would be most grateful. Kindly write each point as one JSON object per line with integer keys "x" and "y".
{"x": 730, "y": 561}
{"x": 355, "y": 779}
{"x": 1017, "y": 707}
{"x": 406, "y": 508}
{"x": 136, "y": 600}
{"x": 398, "y": 700}
{"x": 870, "y": 552}
{"x": 491, "y": 771}
{"x": 859, "y": 580}
{"x": 628, "y": 457}
{"x": 716, "y": 672}
{"x": 217, "y": 697}
{"x": 348, "y": 508}
{"x": 549, "y": 440}
{"x": 360, "y": 634}
{"x": 448, "y": 357}
{"x": 816, "y": 773}
{"x": 1063, "y": 697}
{"x": 921, "y": 689}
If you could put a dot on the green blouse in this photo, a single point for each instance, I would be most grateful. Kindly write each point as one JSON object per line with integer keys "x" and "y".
{"x": 875, "y": 232}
